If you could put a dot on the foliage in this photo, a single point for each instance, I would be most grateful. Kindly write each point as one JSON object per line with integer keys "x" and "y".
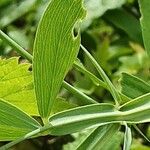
{"x": 67, "y": 88}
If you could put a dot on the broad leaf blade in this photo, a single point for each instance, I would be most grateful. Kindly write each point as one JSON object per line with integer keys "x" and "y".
{"x": 133, "y": 86}
{"x": 55, "y": 50}
{"x": 145, "y": 24}
{"x": 14, "y": 123}
{"x": 16, "y": 85}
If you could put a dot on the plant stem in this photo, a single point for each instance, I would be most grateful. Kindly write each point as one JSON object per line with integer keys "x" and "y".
{"x": 95, "y": 79}
{"x": 111, "y": 87}
{"x": 141, "y": 133}
{"x": 15, "y": 45}
{"x": 84, "y": 99}
{"x": 27, "y": 136}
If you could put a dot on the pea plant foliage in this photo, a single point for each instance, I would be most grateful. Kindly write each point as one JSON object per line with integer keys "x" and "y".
{"x": 25, "y": 94}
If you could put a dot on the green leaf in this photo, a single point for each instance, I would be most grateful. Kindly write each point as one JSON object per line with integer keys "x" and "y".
{"x": 127, "y": 139}
{"x": 55, "y": 50}
{"x": 133, "y": 86}
{"x": 14, "y": 123}
{"x": 74, "y": 120}
{"x": 99, "y": 138}
{"x": 16, "y": 87}
{"x": 145, "y": 24}
{"x": 121, "y": 19}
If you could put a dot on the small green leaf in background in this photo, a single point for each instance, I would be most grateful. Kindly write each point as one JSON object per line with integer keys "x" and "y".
{"x": 121, "y": 19}
{"x": 145, "y": 23}
{"x": 14, "y": 123}
{"x": 133, "y": 86}
{"x": 55, "y": 50}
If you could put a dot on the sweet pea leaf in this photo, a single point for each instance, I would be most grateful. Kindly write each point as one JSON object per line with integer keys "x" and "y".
{"x": 55, "y": 50}
{"x": 14, "y": 123}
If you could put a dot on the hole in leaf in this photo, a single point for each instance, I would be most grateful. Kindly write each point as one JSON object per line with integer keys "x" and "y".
{"x": 76, "y": 29}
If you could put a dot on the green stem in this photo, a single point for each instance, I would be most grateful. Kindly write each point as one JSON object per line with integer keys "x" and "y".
{"x": 84, "y": 99}
{"x": 16, "y": 46}
{"x": 111, "y": 87}
{"x": 141, "y": 133}
{"x": 95, "y": 80}
{"x": 27, "y": 136}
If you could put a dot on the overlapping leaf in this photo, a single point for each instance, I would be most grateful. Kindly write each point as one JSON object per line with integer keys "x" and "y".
{"x": 55, "y": 50}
